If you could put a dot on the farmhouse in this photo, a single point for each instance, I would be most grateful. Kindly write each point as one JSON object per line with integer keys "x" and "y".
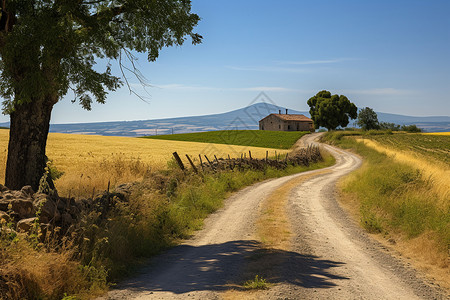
{"x": 286, "y": 122}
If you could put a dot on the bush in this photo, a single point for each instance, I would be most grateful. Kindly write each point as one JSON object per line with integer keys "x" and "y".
{"x": 411, "y": 128}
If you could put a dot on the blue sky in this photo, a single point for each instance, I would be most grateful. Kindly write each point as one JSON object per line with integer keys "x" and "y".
{"x": 392, "y": 56}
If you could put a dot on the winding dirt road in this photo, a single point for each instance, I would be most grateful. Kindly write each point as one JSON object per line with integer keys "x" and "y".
{"x": 330, "y": 257}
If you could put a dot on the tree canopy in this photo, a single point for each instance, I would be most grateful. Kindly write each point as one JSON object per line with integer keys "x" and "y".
{"x": 331, "y": 111}
{"x": 368, "y": 119}
{"x": 49, "y": 47}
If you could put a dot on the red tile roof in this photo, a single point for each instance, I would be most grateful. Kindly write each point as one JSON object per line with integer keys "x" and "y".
{"x": 291, "y": 117}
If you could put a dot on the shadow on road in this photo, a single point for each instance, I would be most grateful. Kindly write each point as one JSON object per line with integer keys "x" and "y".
{"x": 219, "y": 267}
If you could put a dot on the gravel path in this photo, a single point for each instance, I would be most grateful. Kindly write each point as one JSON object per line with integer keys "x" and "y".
{"x": 330, "y": 257}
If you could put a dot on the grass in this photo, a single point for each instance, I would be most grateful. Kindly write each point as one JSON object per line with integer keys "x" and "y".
{"x": 90, "y": 162}
{"x": 258, "y": 283}
{"x": 165, "y": 206}
{"x": 398, "y": 198}
{"x": 435, "y": 147}
{"x": 254, "y": 138}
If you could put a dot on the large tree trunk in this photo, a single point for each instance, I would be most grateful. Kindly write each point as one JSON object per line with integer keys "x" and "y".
{"x": 27, "y": 141}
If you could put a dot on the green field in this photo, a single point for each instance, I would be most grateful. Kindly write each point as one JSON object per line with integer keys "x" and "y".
{"x": 255, "y": 138}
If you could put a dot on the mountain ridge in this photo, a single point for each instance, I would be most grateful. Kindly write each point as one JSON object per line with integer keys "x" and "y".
{"x": 243, "y": 118}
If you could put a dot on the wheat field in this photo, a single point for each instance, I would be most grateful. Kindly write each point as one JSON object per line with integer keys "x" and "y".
{"x": 89, "y": 162}
{"x": 437, "y": 133}
{"x": 435, "y": 171}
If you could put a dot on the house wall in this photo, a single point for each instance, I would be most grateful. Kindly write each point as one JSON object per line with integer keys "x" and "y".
{"x": 271, "y": 123}
{"x": 275, "y": 124}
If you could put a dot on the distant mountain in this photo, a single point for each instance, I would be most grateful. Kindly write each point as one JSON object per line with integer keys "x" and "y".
{"x": 243, "y": 118}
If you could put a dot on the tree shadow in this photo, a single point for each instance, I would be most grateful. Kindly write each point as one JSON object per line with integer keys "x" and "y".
{"x": 219, "y": 267}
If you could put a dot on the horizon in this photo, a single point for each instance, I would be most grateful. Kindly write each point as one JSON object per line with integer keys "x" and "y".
{"x": 391, "y": 57}
{"x": 229, "y": 111}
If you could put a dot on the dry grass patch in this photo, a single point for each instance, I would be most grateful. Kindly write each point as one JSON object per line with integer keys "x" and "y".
{"x": 89, "y": 162}
{"x": 437, "y": 173}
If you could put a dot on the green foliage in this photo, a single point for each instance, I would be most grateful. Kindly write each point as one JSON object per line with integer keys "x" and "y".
{"x": 389, "y": 126}
{"x": 258, "y": 283}
{"x": 367, "y": 119}
{"x": 331, "y": 111}
{"x": 411, "y": 128}
{"x": 53, "y": 171}
{"x": 50, "y": 47}
{"x": 255, "y": 138}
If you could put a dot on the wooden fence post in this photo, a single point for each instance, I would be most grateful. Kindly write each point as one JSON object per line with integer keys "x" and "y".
{"x": 178, "y": 159}
{"x": 209, "y": 161}
{"x": 192, "y": 164}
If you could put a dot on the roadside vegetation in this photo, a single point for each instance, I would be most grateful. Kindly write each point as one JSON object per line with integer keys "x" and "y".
{"x": 87, "y": 163}
{"x": 116, "y": 234}
{"x": 254, "y": 138}
{"x": 402, "y": 191}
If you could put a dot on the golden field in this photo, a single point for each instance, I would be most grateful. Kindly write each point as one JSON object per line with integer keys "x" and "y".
{"x": 437, "y": 133}
{"x": 89, "y": 161}
{"x": 434, "y": 170}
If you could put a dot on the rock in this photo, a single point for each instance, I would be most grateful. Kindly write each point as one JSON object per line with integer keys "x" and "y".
{"x": 4, "y": 205}
{"x": 3, "y": 188}
{"x": 27, "y": 191}
{"x": 74, "y": 210}
{"x": 24, "y": 207}
{"x": 61, "y": 203}
{"x": 14, "y": 216}
{"x": 66, "y": 219}
{"x": 25, "y": 225}
{"x": 4, "y": 216}
{"x": 48, "y": 208}
{"x": 8, "y": 196}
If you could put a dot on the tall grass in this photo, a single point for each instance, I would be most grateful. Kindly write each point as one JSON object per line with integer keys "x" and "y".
{"x": 89, "y": 162}
{"x": 164, "y": 208}
{"x": 399, "y": 200}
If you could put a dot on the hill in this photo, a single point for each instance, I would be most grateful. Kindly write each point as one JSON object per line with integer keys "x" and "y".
{"x": 242, "y": 119}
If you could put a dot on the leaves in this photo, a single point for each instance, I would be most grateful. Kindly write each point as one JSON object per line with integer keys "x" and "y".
{"x": 54, "y": 45}
{"x": 331, "y": 111}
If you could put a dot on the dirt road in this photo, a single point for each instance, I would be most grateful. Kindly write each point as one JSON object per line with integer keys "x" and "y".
{"x": 330, "y": 257}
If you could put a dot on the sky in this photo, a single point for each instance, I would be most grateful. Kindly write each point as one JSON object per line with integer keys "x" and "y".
{"x": 392, "y": 56}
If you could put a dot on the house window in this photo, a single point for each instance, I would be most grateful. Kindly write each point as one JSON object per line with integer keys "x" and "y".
{"x": 289, "y": 127}
{"x": 279, "y": 126}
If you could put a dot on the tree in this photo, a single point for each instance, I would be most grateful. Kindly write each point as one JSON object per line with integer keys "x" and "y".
{"x": 368, "y": 119}
{"x": 48, "y": 47}
{"x": 331, "y": 111}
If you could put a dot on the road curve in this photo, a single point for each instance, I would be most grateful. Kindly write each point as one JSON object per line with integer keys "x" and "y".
{"x": 331, "y": 258}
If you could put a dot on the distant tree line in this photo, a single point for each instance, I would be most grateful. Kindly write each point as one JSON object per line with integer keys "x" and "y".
{"x": 368, "y": 120}
{"x": 334, "y": 111}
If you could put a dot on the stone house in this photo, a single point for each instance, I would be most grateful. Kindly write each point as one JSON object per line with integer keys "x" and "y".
{"x": 286, "y": 122}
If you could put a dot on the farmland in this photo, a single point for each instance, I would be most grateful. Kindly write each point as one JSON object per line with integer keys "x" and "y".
{"x": 254, "y": 138}
{"x": 402, "y": 192}
{"x": 89, "y": 162}
{"x": 435, "y": 146}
